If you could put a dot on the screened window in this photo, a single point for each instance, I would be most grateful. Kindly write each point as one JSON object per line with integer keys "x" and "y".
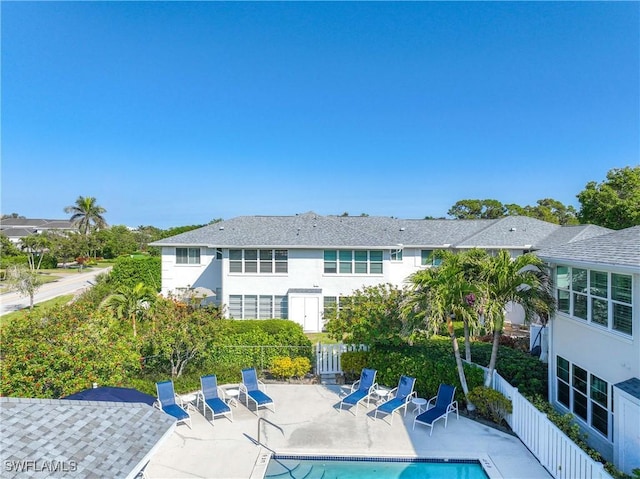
{"x": 187, "y": 255}
{"x": 586, "y": 395}
{"x": 598, "y": 297}
{"x": 265, "y": 261}
{"x": 350, "y": 262}
{"x": 427, "y": 258}
{"x": 251, "y": 306}
{"x": 330, "y": 305}
{"x": 396, "y": 255}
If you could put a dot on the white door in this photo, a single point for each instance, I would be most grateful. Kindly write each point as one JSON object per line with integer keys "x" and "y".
{"x": 305, "y": 310}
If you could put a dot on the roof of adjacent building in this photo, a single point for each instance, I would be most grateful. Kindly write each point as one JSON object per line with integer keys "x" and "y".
{"x": 35, "y": 224}
{"x": 310, "y": 230}
{"x": 85, "y": 438}
{"x": 617, "y": 248}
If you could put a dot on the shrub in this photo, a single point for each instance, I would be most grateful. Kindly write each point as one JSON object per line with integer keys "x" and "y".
{"x": 490, "y": 403}
{"x": 301, "y": 366}
{"x": 353, "y": 362}
{"x": 282, "y": 367}
{"x": 285, "y": 367}
{"x": 129, "y": 271}
{"x": 431, "y": 363}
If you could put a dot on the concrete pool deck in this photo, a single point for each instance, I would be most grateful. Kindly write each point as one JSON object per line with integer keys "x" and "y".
{"x": 312, "y": 424}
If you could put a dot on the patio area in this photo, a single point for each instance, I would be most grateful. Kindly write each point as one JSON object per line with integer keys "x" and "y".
{"x": 312, "y": 424}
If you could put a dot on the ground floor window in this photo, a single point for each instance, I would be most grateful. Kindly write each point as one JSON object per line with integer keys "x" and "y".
{"x": 252, "y": 306}
{"x": 585, "y": 395}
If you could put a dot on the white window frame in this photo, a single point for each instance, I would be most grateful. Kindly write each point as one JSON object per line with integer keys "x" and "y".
{"x": 259, "y": 261}
{"x": 592, "y": 403}
{"x": 351, "y": 262}
{"x": 193, "y": 256}
{"x": 586, "y": 292}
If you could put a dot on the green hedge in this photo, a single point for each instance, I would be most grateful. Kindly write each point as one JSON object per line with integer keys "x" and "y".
{"x": 129, "y": 271}
{"x": 431, "y": 363}
{"x": 520, "y": 369}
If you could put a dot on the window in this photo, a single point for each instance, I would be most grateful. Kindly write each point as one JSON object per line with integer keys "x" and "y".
{"x": 235, "y": 306}
{"x": 352, "y": 261}
{"x": 396, "y": 254}
{"x": 427, "y": 259}
{"x": 218, "y": 253}
{"x": 251, "y": 306}
{"x": 597, "y": 297}
{"x": 585, "y": 395}
{"x": 187, "y": 255}
{"x": 330, "y": 306}
{"x": 265, "y": 261}
{"x": 280, "y": 307}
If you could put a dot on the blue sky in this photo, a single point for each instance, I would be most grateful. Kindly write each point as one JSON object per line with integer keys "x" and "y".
{"x": 175, "y": 113}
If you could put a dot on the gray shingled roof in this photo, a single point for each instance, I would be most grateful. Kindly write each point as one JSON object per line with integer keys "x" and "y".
{"x": 32, "y": 223}
{"x": 630, "y": 386}
{"x": 102, "y": 439}
{"x": 619, "y": 248}
{"x": 310, "y": 230}
{"x": 569, "y": 234}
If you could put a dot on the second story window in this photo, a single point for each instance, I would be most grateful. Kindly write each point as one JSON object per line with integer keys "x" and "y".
{"x": 263, "y": 261}
{"x": 396, "y": 254}
{"x": 352, "y": 261}
{"x": 597, "y": 297}
{"x": 187, "y": 255}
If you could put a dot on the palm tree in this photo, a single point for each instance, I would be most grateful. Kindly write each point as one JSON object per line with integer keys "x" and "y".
{"x": 522, "y": 280}
{"x": 86, "y": 212}
{"x": 131, "y": 303}
{"x": 438, "y": 296}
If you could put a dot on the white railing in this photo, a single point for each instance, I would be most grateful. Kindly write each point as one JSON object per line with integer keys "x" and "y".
{"x": 328, "y": 356}
{"x": 562, "y": 457}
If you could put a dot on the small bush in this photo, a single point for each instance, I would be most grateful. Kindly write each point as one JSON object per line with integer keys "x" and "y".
{"x": 491, "y": 404}
{"x": 282, "y": 367}
{"x": 301, "y": 366}
{"x": 353, "y": 362}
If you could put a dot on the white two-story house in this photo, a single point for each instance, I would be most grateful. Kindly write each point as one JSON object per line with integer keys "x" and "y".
{"x": 296, "y": 266}
{"x": 594, "y": 345}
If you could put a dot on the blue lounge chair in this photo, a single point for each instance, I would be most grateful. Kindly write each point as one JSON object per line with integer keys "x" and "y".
{"x": 361, "y": 390}
{"x": 444, "y": 404}
{"x": 400, "y": 398}
{"x": 167, "y": 402}
{"x": 211, "y": 400}
{"x": 251, "y": 388}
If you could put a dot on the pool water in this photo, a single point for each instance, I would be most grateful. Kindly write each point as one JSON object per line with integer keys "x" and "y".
{"x": 330, "y": 467}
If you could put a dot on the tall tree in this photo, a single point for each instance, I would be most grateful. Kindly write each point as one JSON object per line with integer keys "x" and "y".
{"x": 438, "y": 295}
{"x": 614, "y": 203}
{"x": 552, "y": 211}
{"x": 477, "y": 209}
{"x": 86, "y": 213}
{"x": 35, "y": 246}
{"x": 522, "y": 280}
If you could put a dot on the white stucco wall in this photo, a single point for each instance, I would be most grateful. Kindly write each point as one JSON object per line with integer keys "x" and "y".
{"x": 613, "y": 357}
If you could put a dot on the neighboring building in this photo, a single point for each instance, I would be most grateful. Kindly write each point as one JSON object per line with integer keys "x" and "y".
{"x": 58, "y": 438}
{"x": 296, "y": 266}
{"x": 594, "y": 347}
{"x": 17, "y": 228}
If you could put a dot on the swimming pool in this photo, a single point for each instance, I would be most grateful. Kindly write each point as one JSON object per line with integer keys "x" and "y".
{"x": 346, "y": 467}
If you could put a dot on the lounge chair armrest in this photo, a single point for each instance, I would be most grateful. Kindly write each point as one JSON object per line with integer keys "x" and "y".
{"x": 373, "y": 388}
{"x": 414, "y": 394}
{"x": 262, "y": 386}
{"x": 355, "y": 385}
{"x": 434, "y": 398}
{"x": 451, "y": 407}
{"x": 393, "y": 392}
{"x": 242, "y": 388}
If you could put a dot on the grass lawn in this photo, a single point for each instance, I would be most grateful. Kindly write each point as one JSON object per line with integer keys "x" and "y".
{"x": 40, "y": 307}
{"x": 320, "y": 337}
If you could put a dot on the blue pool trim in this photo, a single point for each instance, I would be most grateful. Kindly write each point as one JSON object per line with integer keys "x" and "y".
{"x": 303, "y": 457}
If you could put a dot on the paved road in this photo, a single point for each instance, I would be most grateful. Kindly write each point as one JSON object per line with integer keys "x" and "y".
{"x": 69, "y": 284}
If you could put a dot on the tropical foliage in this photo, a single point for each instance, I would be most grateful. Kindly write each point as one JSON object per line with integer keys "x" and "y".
{"x": 24, "y": 280}
{"x": 132, "y": 304}
{"x": 87, "y": 214}
{"x": 614, "y": 203}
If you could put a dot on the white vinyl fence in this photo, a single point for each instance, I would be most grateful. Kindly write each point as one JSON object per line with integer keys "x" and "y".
{"x": 328, "y": 356}
{"x": 555, "y": 451}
